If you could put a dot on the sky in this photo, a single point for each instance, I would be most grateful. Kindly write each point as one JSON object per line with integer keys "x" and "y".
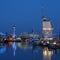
{"x": 26, "y": 15}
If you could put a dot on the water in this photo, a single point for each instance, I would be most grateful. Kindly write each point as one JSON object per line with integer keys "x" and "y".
{"x": 24, "y": 51}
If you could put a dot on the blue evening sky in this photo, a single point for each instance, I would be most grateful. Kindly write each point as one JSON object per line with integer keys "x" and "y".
{"x": 26, "y": 14}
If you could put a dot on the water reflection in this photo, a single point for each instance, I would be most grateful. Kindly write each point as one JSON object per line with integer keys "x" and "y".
{"x": 24, "y": 45}
{"x": 2, "y": 49}
{"x": 47, "y": 55}
{"x": 26, "y": 50}
{"x": 14, "y": 46}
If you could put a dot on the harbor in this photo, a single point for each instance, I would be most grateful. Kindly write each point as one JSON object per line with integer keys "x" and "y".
{"x": 47, "y": 39}
{"x": 31, "y": 45}
{"x": 29, "y": 30}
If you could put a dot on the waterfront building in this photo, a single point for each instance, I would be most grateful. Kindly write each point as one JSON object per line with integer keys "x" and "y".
{"x": 47, "y": 29}
{"x": 26, "y": 35}
{"x": 12, "y": 36}
{"x": 34, "y": 35}
{"x": 2, "y": 37}
{"x": 23, "y": 36}
{"x": 14, "y": 30}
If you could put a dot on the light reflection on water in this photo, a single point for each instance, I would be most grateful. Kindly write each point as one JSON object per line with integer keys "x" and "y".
{"x": 24, "y": 51}
{"x": 2, "y": 49}
{"x": 47, "y": 55}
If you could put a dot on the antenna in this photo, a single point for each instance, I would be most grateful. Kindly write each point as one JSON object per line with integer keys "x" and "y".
{"x": 43, "y": 10}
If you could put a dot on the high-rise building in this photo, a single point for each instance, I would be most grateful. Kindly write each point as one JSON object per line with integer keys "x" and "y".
{"x": 14, "y": 30}
{"x": 47, "y": 28}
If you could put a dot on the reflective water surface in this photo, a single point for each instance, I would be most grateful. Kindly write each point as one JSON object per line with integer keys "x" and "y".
{"x": 25, "y": 51}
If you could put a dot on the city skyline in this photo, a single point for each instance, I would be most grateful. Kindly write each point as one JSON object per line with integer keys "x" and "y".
{"x": 26, "y": 15}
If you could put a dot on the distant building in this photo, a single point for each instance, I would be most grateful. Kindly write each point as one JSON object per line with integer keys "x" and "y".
{"x": 2, "y": 36}
{"x": 34, "y": 35}
{"x": 29, "y": 35}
